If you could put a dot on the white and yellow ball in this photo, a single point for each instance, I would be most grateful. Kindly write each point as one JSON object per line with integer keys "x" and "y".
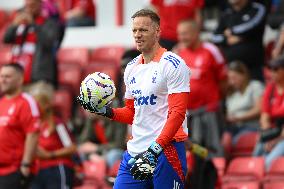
{"x": 98, "y": 89}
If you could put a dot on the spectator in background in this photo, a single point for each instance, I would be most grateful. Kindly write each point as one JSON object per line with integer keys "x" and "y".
{"x": 78, "y": 12}
{"x": 35, "y": 39}
{"x": 50, "y": 10}
{"x": 279, "y": 44}
{"x": 276, "y": 21}
{"x": 208, "y": 69}
{"x": 19, "y": 125}
{"x": 127, "y": 56}
{"x": 272, "y": 115}
{"x": 55, "y": 147}
{"x": 276, "y": 15}
{"x": 243, "y": 101}
{"x": 171, "y": 13}
{"x": 240, "y": 32}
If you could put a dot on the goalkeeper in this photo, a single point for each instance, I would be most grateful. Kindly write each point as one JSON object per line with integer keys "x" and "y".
{"x": 156, "y": 97}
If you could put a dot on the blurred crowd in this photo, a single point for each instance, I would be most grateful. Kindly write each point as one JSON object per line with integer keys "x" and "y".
{"x": 237, "y": 86}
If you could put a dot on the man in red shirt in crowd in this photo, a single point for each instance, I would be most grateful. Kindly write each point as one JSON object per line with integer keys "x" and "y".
{"x": 208, "y": 79}
{"x": 18, "y": 129}
{"x": 171, "y": 13}
{"x": 78, "y": 12}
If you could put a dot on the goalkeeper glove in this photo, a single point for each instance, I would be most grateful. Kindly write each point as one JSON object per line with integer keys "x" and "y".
{"x": 145, "y": 163}
{"x": 104, "y": 111}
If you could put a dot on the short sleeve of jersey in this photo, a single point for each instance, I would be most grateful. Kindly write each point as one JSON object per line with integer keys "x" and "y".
{"x": 157, "y": 3}
{"x": 199, "y": 3}
{"x": 220, "y": 69}
{"x": 177, "y": 73}
{"x": 257, "y": 88}
{"x": 30, "y": 115}
{"x": 217, "y": 59}
{"x": 266, "y": 104}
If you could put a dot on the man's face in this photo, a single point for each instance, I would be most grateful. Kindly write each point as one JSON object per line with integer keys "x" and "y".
{"x": 188, "y": 35}
{"x": 236, "y": 79}
{"x": 277, "y": 74}
{"x": 237, "y": 3}
{"x": 145, "y": 33}
{"x": 10, "y": 80}
{"x": 33, "y": 6}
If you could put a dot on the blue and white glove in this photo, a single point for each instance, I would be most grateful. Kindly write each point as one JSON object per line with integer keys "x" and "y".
{"x": 104, "y": 111}
{"x": 145, "y": 163}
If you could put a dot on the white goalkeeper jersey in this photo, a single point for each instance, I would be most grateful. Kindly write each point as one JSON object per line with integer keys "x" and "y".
{"x": 149, "y": 85}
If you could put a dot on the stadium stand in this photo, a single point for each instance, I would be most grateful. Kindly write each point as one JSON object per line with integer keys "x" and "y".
{"x": 105, "y": 67}
{"x": 90, "y": 49}
{"x": 74, "y": 55}
{"x": 241, "y": 185}
{"x": 220, "y": 164}
{"x": 5, "y": 54}
{"x": 276, "y": 171}
{"x": 70, "y": 76}
{"x": 245, "y": 169}
{"x": 95, "y": 171}
{"x": 245, "y": 144}
{"x": 63, "y": 104}
{"x": 110, "y": 53}
{"x": 3, "y": 16}
{"x": 274, "y": 185}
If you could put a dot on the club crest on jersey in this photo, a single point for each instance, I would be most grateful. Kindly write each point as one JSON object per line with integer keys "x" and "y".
{"x": 145, "y": 100}
{"x": 11, "y": 110}
{"x": 154, "y": 77}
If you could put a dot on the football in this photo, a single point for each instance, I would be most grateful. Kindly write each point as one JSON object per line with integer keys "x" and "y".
{"x": 98, "y": 89}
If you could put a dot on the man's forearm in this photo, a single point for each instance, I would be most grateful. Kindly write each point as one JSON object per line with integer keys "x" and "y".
{"x": 30, "y": 147}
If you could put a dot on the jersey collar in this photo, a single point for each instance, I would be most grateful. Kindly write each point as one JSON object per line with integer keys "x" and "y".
{"x": 157, "y": 57}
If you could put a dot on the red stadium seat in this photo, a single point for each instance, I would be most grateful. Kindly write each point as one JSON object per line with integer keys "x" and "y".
{"x": 274, "y": 185}
{"x": 276, "y": 171}
{"x": 106, "y": 68}
{"x": 87, "y": 186}
{"x": 220, "y": 164}
{"x": 114, "y": 169}
{"x": 3, "y": 17}
{"x": 95, "y": 169}
{"x": 63, "y": 104}
{"x": 245, "y": 144}
{"x": 74, "y": 55}
{"x": 245, "y": 169}
{"x": 70, "y": 75}
{"x": 241, "y": 185}
{"x": 108, "y": 54}
{"x": 5, "y": 55}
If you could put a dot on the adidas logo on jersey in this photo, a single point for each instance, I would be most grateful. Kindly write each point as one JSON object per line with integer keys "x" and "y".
{"x": 145, "y": 100}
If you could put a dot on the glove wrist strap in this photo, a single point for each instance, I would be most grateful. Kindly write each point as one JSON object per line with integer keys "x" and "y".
{"x": 156, "y": 148}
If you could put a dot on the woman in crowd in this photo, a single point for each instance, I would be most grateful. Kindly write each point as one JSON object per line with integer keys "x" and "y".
{"x": 55, "y": 148}
{"x": 243, "y": 101}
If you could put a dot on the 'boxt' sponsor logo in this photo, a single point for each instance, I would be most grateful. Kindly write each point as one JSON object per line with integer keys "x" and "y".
{"x": 145, "y": 100}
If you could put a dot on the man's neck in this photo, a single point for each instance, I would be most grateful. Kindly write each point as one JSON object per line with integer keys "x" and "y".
{"x": 195, "y": 46}
{"x": 240, "y": 7}
{"x": 149, "y": 56}
{"x": 12, "y": 95}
